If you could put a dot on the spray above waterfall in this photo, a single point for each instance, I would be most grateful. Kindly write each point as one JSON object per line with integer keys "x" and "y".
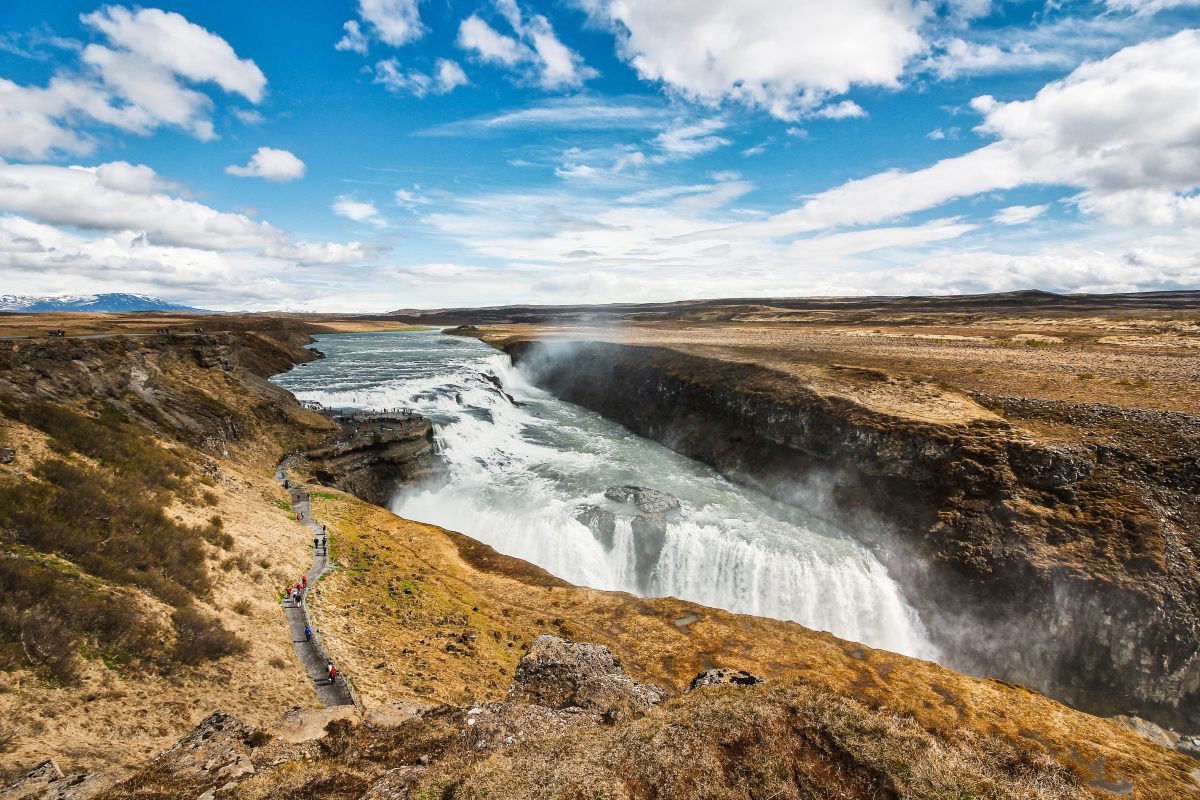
{"x": 541, "y": 479}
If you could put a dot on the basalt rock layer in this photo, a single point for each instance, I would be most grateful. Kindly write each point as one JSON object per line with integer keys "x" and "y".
{"x": 372, "y": 458}
{"x": 1070, "y": 568}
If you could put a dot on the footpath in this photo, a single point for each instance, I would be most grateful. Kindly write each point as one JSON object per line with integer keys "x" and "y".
{"x": 309, "y": 650}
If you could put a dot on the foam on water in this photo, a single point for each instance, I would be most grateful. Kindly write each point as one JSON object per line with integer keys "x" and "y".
{"x": 520, "y": 474}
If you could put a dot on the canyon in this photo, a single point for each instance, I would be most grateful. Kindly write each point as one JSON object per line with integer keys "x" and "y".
{"x": 965, "y": 494}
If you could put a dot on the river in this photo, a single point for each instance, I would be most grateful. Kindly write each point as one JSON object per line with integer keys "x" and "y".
{"x": 521, "y": 473}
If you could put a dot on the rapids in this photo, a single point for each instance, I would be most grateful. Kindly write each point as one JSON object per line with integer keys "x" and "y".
{"x": 519, "y": 474}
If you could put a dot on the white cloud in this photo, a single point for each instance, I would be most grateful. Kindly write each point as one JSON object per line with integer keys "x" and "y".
{"x": 318, "y": 253}
{"x": 272, "y": 164}
{"x": 123, "y": 197}
{"x": 121, "y": 176}
{"x": 1150, "y": 6}
{"x": 447, "y": 76}
{"x": 358, "y": 211}
{"x": 1127, "y": 123}
{"x": 938, "y": 134}
{"x": 601, "y": 163}
{"x": 1018, "y": 215}
{"x": 354, "y": 39}
{"x": 393, "y": 22}
{"x": 691, "y": 139}
{"x": 249, "y": 116}
{"x": 578, "y": 112}
{"x": 959, "y": 57}
{"x": 534, "y": 49}
{"x": 846, "y": 109}
{"x": 411, "y": 199}
{"x": 489, "y": 44}
{"x": 183, "y": 48}
{"x": 136, "y": 84}
{"x": 785, "y": 57}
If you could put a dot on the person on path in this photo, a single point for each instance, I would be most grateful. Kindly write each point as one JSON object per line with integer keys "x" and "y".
{"x": 304, "y": 582}
{"x": 307, "y": 633}
{"x": 332, "y": 670}
{"x": 316, "y": 542}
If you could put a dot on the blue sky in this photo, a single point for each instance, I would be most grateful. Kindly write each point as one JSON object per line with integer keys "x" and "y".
{"x": 382, "y": 154}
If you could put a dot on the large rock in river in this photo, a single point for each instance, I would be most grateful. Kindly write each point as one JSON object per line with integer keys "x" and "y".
{"x": 649, "y": 524}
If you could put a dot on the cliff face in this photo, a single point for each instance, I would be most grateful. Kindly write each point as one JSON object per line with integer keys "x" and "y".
{"x": 206, "y": 391}
{"x": 1064, "y": 567}
{"x": 371, "y": 457}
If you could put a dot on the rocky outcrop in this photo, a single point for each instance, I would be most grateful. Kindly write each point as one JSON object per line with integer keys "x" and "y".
{"x": 373, "y": 455}
{"x": 725, "y": 677}
{"x": 216, "y": 751}
{"x": 559, "y": 674}
{"x": 1069, "y": 568}
{"x": 648, "y": 524}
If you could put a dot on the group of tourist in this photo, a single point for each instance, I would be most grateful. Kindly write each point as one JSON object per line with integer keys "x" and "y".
{"x": 295, "y": 593}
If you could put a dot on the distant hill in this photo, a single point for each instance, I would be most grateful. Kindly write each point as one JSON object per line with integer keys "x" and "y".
{"x": 724, "y": 309}
{"x": 96, "y": 303}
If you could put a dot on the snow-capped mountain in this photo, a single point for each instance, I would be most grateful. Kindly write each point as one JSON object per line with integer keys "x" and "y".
{"x": 97, "y": 303}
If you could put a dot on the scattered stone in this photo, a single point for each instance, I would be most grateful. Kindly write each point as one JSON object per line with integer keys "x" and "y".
{"x": 725, "y": 677}
{"x": 7, "y": 455}
{"x": 395, "y": 784}
{"x": 46, "y": 781}
{"x": 494, "y": 726}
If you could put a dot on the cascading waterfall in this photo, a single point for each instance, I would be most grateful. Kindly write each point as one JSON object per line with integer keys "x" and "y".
{"x": 520, "y": 474}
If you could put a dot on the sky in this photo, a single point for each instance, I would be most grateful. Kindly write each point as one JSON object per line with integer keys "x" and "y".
{"x": 387, "y": 154}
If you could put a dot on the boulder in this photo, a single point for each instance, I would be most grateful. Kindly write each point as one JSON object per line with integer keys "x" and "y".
{"x": 7, "y": 455}
{"x": 724, "y": 677}
{"x": 560, "y": 674}
{"x": 647, "y": 501}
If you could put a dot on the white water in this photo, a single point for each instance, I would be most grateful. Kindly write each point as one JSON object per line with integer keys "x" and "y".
{"x": 518, "y": 476}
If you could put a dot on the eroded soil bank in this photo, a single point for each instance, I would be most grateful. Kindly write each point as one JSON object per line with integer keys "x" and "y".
{"x": 1068, "y": 566}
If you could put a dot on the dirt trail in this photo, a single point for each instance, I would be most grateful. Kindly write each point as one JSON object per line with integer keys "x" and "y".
{"x": 309, "y": 649}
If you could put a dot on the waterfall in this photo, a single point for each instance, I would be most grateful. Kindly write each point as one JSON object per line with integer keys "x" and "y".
{"x": 521, "y": 474}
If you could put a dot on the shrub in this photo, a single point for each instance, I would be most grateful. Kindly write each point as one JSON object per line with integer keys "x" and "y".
{"x": 199, "y": 638}
{"x": 107, "y": 438}
{"x": 104, "y": 523}
{"x": 47, "y": 614}
{"x": 242, "y": 607}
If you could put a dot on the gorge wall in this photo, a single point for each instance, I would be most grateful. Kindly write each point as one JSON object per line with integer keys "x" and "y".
{"x": 373, "y": 456}
{"x": 1066, "y": 568}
